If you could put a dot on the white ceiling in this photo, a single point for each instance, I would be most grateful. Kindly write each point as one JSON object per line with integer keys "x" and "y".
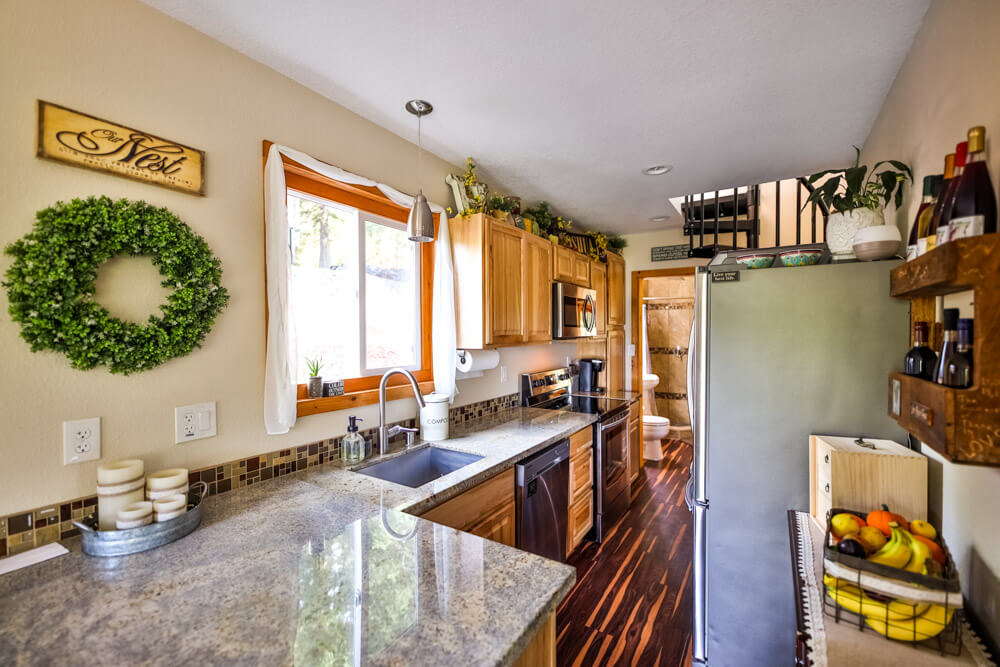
{"x": 568, "y": 100}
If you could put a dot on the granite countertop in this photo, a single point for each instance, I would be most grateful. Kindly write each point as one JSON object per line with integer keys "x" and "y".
{"x": 317, "y": 567}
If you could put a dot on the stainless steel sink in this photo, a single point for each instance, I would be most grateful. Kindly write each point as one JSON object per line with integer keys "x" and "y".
{"x": 418, "y": 467}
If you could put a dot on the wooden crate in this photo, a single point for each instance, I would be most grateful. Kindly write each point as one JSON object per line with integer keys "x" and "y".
{"x": 845, "y": 474}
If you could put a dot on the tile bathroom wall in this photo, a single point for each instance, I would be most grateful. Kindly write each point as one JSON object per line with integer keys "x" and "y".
{"x": 670, "y": 315}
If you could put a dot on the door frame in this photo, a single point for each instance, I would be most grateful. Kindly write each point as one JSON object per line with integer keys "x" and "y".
{"x": 637, "y": 292}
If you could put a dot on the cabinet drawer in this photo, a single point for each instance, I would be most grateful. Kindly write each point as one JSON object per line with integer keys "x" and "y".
{"x": 581, "y": 473}
{"x": 579, "y": 440}
{"x": 581, "y": 520}
{"x": 475, "y": 505}
{"x": 633, "y": 411}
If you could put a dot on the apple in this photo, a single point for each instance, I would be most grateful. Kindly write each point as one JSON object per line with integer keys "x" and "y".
{"x": 843, "y": 524}
{"x": 923, "y": 528}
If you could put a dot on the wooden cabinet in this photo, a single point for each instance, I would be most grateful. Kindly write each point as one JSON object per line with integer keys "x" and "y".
{"x": 634, "y": 447}
{"x": 581, "y": 488}
{"x": 616, "y": 290}
{"x": 569, "y": 266}
{"x": 486, "y": 510}
{"x": 537, "y": 287}
{"x": 505, "y": 296}
{"x": 541, "y": 650}
{"x": 503, "y": 284}
{"x": 599, "y": 283}
{"x": 616, "y": 361}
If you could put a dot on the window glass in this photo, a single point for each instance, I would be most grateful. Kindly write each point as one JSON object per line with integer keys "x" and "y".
{"x": 392, "y": 297}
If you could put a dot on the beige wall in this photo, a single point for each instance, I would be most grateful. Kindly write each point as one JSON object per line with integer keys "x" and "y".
{"x": 946, "y": 85}
{"x": 123, "y": 61}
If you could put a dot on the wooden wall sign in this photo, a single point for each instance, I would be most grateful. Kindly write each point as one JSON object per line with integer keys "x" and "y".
{"x": 94, "y": 143}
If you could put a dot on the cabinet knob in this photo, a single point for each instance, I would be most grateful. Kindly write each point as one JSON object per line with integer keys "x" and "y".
{"x": 826, "y": 459}
{"x": 827, "y": 487}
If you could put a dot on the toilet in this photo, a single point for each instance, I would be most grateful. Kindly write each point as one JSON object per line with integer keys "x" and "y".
{"x": 654, "y": 430}
{"x": 654, "y": 427}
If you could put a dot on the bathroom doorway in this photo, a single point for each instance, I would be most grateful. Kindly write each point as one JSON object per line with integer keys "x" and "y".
{"x": 662, "y": 315}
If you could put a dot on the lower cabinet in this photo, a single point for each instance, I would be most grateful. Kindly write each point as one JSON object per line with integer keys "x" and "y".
{"x": 486, "y": 510}
{"x": 541, "y": 651}
{"x": 581, "y": 488}
{"x": 634, "y": 448}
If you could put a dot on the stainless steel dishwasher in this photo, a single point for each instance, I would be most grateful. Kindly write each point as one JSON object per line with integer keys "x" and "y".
{"x": 543, "y": 501}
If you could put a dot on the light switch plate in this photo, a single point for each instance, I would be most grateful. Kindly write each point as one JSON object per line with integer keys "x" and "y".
{"x": 194, "y": 422}
{"x": 81, "y": 440}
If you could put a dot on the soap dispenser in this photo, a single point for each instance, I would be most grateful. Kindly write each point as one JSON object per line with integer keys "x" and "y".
{"x": 352, "y": 448}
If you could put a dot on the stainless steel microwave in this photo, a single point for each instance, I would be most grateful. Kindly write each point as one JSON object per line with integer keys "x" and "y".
{"x": 574, "y": 311}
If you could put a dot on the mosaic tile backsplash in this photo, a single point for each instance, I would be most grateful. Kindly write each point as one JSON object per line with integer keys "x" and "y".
{"x": 26, "y": 530}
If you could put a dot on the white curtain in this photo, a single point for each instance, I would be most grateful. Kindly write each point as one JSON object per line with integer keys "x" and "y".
{"x": 281, "y": 365}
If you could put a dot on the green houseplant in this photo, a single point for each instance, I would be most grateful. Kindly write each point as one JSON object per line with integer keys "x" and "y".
{"x": 855, "y": 198}
{"x": 314, "y": 366}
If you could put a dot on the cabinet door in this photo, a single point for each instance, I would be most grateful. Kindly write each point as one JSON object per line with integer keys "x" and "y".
{"x": 506, "y": 323}
{"x": 634, "y": 447}
{"x": 476, "y": 506}
{"x": 537, "y": 282}
{"x": 616, "y": 290}
{"x": 581, "y": 270}
{"x": 581, "y": 520}
{"x": 499, "y": 526}
{"x": 599, "y": 283}
{"x": 616, "y": 360}
{"x": 562, "y": 265}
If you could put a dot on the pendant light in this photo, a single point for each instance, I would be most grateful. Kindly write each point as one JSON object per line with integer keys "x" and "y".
{"x": 420, "y": 224}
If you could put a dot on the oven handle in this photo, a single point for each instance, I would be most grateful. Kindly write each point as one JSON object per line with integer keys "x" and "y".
{"x": 610, "y": 425}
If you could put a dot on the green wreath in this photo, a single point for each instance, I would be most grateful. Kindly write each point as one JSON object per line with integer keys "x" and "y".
{"x": 50, "y": 285}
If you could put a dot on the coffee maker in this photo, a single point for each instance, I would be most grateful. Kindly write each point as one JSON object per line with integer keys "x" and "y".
{"x": 590, "y": 369}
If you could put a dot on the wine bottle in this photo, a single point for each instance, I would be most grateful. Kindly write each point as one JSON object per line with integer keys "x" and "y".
{"x": 953, "y": 369}
{"x": 965, "y": 339}
{"x": 929, "y": 240}
{"x": 932, "y": 188}
{"x": 942, "y": 229}
{"x": 975, "y": 209}
{"x": 921, "y": 361}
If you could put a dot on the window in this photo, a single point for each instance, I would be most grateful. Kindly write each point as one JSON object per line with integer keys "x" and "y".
{"x": 355, "y": 289}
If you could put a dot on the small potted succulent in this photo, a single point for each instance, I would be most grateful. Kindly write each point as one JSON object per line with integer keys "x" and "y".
{"x": 855, "y": 198}
{"x": 314, "y": 366}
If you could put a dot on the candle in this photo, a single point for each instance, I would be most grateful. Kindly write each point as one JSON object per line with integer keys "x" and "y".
{"x": 119, "y": 483}
{"x": 134, "y": 515}
{"x": 169, "y": 507}
{"x": 167, "y": 482}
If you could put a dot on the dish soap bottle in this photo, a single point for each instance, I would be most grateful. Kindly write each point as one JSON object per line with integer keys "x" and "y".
{"x": 352, "y": 448}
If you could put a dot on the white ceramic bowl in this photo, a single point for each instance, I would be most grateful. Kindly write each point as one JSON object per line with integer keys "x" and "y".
{"x": 877, "y": 242}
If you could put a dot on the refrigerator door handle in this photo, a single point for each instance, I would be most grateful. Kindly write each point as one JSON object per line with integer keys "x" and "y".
{"x": 690, "y": 372}
{"x": 687, "y": 494}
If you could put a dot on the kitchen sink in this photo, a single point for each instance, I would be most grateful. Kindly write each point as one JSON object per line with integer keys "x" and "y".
{"x": 418, "y": 467}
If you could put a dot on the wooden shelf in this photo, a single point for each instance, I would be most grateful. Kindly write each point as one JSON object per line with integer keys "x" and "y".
{"x": 953, "y": 267}
{"x": 963, "y": 425}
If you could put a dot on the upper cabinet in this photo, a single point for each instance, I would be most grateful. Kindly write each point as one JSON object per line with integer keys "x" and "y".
{"x": 616, "y": 290}
{"x": 537, "y": 288}
{"x": 503, "y": 284}
{"x": 570, "y": 266}
{"x": 599, "y": 283}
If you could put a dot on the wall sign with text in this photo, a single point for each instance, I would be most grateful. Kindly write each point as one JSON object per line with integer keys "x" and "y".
{"x": 666, "y": 253}
{"x": 87, "y": 141}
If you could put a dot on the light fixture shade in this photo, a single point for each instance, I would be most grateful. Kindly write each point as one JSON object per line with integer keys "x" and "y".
{"x": 420, "y": 224}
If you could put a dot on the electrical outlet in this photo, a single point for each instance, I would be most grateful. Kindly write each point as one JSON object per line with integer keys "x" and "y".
{"x": 194, "y": 422}
{"x": 81, "y": 440}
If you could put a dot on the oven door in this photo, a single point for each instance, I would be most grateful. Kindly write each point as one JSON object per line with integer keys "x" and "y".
{"x": 574, "y": 311}
{"x": 614, "y": 493}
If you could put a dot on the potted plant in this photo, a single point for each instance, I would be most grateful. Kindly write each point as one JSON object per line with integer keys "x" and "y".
{"x": 616, "y": 244}
{"x": 502, "y": 207}
{"x": 856, "y": 197}
{"x": 315, "y": 387}
{"x": 541, "y": 217}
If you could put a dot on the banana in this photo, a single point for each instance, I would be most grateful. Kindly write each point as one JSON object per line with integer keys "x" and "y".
{"x": 929, "y": 624}
{"x": 855, "y": 600}
{"x": 897, "y": 551}
{"x": 921, "y": 552}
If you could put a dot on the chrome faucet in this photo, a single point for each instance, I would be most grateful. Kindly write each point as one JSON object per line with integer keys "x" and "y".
{"x": 385, "y": 433}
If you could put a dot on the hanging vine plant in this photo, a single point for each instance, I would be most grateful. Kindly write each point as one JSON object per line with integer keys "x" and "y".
{"x": 51, "y": 284}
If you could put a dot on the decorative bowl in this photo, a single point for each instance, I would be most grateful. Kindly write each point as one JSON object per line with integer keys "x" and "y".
{"x": 877, "y": 242}
{"x": 758, "y": 261}
{"x": 800, "y": 257}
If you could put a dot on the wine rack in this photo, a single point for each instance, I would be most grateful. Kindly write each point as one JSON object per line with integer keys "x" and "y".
{"x": 963, "y": 425}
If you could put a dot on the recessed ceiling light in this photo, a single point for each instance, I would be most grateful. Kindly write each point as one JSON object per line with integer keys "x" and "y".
{"x": 659, "y": 218}
{"x": 657, "y": 169}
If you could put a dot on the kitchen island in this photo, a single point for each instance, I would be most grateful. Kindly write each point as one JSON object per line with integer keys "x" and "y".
{"x": 324, "y": 566}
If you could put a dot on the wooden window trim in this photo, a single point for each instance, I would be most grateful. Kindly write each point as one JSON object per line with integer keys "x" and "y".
{"x": 364, "y": 390}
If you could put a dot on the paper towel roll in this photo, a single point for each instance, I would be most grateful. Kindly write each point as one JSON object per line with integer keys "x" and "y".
{"x": 480, "y": 360}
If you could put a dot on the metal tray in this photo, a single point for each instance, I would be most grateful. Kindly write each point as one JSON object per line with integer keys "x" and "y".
{"x": 134, "y": 540}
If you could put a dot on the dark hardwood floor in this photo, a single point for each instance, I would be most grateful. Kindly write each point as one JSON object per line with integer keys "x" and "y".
{"x": 632, "y": 601}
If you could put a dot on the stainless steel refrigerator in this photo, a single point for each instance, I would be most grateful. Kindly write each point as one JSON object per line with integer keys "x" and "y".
{"x": 775, "y": 355}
